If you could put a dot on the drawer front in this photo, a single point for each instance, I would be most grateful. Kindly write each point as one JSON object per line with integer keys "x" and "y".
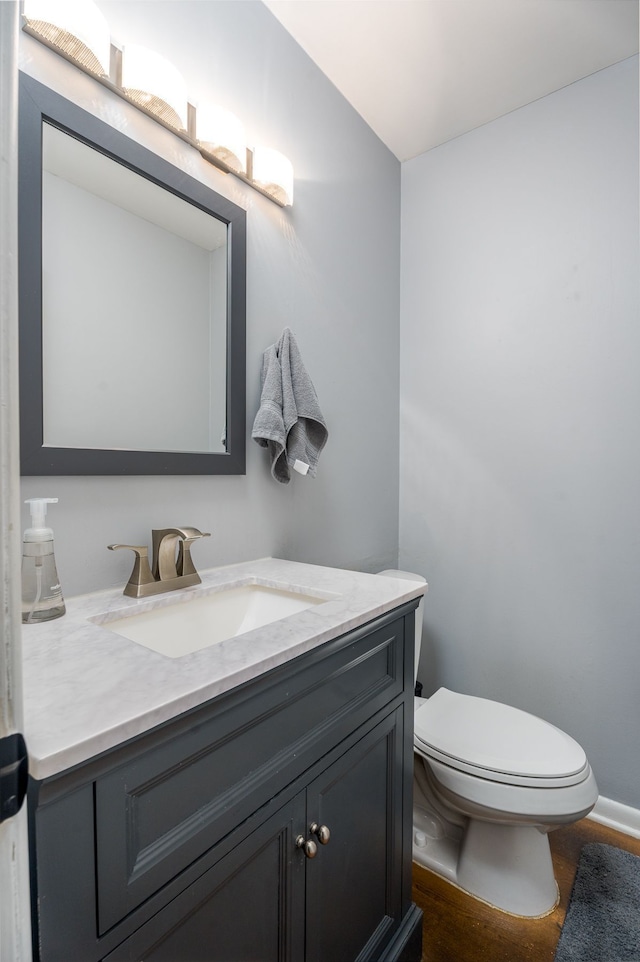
{"x": 158, "y": 813}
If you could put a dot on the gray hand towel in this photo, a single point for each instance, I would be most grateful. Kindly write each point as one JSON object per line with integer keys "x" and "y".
{"x": 289, "y": 422}
{"x": 268, "y": 427}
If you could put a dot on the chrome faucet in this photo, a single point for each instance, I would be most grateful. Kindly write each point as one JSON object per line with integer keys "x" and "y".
{"x": 169, "y": 571}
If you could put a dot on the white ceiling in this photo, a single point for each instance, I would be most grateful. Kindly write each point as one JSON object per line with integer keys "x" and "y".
{"x": 421, "y": 72}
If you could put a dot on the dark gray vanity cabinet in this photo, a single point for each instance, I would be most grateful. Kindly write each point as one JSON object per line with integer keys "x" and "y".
{"x": 205, "y": 840}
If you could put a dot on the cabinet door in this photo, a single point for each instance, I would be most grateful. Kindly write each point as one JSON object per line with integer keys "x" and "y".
{"x": 353, "y": 890}
{"x": 249, "y": 907}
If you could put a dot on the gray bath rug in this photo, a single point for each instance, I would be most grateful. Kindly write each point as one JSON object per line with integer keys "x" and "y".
{"x": 603, "y": 918}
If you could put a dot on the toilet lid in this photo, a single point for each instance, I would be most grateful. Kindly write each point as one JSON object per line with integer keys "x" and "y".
{"x": 494, "y": 737}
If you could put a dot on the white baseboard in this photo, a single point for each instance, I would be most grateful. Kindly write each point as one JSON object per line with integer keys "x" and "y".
{"x": 620, "y": 817}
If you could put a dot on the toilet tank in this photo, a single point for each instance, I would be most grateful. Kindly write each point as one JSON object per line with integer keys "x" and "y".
{"x": 408, "y": 576}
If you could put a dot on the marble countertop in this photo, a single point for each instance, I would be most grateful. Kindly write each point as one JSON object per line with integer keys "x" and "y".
{"x": 87, "y": 689}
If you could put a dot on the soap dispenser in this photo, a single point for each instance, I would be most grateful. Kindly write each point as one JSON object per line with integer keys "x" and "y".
{"x": 41, "y": 593}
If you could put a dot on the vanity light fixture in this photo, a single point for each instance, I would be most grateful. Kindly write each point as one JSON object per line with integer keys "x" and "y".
{"x": 221, "y": 135}
{"x": 77, "y": 30}
{"x": 272, "y": 174}
{"x": 74, "y": 28}
{"x": 154, "y": 84}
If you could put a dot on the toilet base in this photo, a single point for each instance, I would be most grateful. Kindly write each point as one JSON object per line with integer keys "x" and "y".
{"x": 506, "y": 866}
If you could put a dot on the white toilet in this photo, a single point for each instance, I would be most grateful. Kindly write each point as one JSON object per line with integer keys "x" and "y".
{"x": 490, "y": 782}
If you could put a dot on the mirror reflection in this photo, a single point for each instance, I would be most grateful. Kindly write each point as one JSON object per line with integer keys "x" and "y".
{"x": 134, "y": 309}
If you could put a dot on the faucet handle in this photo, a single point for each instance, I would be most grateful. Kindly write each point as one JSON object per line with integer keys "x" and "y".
{"x": 185, "y": 562}
{"x": 192, "y": 534}
{"x": 141, "y": 574}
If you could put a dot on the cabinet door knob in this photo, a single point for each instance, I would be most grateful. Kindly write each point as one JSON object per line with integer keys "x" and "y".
{"x": 308, "y": 846}
{"x": 321, "y": 832}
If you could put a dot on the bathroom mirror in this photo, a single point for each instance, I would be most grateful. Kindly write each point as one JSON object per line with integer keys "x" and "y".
{"x": 132, "y": 304}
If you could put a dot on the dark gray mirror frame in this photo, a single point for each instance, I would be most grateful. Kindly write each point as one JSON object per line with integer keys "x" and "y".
{"x": 38, "y": 104}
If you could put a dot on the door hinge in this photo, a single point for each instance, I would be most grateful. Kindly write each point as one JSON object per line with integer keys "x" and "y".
{"x": 14, "y": 771}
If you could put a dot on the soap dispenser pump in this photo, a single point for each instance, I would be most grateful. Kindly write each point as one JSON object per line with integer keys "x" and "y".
{"x": 41, "y": 593}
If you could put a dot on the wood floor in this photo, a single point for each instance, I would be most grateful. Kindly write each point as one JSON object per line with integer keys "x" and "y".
{"x": 459, "y": 928}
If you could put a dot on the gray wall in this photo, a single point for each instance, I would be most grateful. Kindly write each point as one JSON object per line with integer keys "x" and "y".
{"x": 520, "y": 399}
{"x": 328, "y": 268}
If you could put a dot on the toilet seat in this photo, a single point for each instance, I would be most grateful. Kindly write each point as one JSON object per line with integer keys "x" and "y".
{"x": 496, "y": 742}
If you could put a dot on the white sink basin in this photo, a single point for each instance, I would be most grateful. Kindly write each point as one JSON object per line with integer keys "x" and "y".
{"x": 184, "y": 627}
